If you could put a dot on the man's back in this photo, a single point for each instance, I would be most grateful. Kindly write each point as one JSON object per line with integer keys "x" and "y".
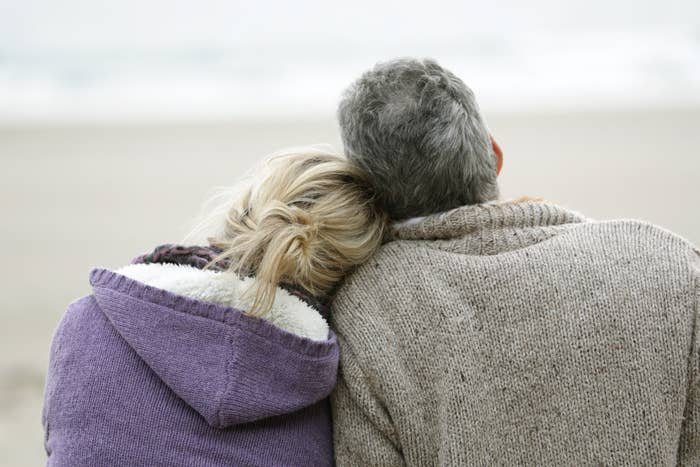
{"x": 520, "y": 333}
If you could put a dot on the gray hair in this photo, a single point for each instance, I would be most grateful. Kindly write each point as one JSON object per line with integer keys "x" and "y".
{"x": 416, "y": 129}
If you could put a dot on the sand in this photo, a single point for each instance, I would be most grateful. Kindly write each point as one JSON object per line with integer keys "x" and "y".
{"x": 74, "y": 197}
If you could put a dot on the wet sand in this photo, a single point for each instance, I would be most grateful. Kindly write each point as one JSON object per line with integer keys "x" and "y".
{"x": 74, "y": 197}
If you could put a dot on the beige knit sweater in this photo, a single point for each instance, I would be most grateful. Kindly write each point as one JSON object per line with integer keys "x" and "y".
{"x": 520, "y": 334}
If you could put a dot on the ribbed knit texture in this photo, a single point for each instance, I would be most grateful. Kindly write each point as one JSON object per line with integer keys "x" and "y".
{"x": 140, "y": 376}
{"x": 520, "y": 334}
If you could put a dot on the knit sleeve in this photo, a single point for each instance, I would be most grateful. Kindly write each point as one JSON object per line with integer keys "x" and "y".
{"x": 363, "y": 433}
{"x": 55, "y": 400}
{"x": 689, "y": 448}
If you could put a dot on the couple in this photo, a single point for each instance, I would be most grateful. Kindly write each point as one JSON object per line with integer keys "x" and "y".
{"x": 463, "y": 330}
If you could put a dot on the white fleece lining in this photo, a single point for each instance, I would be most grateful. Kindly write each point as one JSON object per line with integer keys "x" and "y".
{"x": 225, "y": 288}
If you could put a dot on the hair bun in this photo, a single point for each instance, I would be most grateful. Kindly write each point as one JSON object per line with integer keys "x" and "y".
{"x": 309, "y": 220}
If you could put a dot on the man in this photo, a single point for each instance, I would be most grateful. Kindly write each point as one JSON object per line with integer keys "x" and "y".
{"x": 495, "y": 332}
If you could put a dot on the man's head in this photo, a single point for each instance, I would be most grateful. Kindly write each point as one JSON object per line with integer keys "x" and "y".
{"x": 415, "y": 128}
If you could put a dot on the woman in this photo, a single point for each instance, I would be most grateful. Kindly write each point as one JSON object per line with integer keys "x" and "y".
{"x": 217, "y": 355}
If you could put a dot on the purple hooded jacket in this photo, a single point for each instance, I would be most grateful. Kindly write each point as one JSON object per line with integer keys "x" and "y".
{"x": 142, "y": 376}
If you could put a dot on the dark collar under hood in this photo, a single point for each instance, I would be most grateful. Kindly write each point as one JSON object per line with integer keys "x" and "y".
{"x": 231, "y": 368}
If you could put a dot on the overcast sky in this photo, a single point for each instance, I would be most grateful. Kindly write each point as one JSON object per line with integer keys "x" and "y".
{"x": 204, "y": 56}
{"x": 203, "y": 23}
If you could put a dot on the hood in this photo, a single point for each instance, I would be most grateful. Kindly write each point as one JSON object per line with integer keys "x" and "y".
{"x": 187, "y": 326}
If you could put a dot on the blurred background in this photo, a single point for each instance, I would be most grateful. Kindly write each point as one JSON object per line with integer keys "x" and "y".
{"x": 118, "y": 118}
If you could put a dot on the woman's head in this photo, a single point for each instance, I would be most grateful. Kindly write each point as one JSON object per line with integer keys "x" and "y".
{"x": 307, "y": 219}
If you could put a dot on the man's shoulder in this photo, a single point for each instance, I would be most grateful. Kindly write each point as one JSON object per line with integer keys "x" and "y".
{"x": 394, "y": 255}
{"x": 360, "y": 299}
{"x": 399, "y": 260}
{"x": 641, "y": 228}
{"x": 605, "y": 232}
{"x": 641, "y": 234}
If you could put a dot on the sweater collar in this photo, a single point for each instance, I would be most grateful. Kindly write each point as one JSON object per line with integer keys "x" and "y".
{"x": 492, "y": 217}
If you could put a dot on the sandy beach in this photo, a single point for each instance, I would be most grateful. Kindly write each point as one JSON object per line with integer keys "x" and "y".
{"x": 75, "y": 197}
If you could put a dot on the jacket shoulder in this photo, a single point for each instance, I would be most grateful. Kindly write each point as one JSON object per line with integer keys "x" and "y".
{"x": 78, "y": 314}
{"x": 81, "y": 328}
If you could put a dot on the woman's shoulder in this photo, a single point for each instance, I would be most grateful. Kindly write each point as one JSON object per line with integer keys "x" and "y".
{"x": 81, "y": 320}
{"x": 79, "y": 313}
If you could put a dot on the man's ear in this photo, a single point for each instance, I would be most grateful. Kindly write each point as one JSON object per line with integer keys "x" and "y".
{"x": 498, "y": 153}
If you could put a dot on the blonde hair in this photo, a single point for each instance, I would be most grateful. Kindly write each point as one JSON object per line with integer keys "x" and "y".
{"x": 307, "y": 220}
